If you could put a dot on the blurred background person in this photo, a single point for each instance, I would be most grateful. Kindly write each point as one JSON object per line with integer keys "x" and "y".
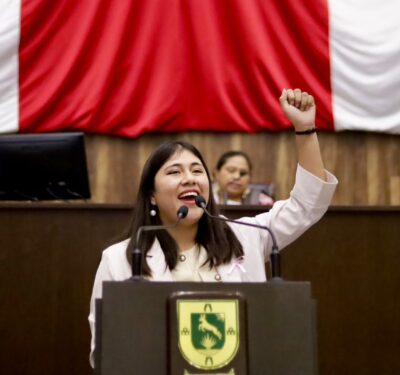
{"x": 232, "y": 181}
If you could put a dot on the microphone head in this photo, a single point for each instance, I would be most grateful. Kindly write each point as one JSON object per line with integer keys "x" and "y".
{"x": 200, "y": 201}
{"x": 182, "y": 212}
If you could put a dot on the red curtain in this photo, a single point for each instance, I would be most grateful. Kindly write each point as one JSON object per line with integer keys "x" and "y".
{"x": 132, "y": 66}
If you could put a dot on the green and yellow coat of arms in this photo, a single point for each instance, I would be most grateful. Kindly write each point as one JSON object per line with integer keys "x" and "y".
{"x": 208, "y": 332}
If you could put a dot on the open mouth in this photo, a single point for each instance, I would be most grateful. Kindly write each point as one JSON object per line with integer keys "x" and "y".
{"x": 188, "y": 197}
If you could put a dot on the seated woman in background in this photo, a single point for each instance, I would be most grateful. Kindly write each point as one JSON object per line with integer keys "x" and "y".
{"x": 232, "y": 176}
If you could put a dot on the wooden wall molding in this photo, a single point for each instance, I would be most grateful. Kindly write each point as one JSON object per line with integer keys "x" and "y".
{"x": 366, "y": 164}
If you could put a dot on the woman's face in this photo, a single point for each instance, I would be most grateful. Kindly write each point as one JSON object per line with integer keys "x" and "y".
{"x": 233, "y": 177}
{"x": 177, "y": 183}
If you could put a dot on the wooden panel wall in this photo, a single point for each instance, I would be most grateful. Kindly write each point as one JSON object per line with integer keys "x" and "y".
{"x": 49, "y": 255}
{"x": 367, "y": 164}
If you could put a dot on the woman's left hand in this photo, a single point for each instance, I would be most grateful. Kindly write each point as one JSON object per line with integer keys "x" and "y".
{"x": 299, "y": 107}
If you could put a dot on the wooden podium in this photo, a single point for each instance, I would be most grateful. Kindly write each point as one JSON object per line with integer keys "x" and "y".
{"x": 133, "y": 327}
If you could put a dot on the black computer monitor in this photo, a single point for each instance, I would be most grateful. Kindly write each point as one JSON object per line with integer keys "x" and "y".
{"x": 43, "y": 167}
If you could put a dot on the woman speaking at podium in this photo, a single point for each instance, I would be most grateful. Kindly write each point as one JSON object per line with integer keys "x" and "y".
{"x": 198, "y": 248}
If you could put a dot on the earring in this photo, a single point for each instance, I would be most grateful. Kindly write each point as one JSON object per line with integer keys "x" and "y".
{"x": 153, "y": 212}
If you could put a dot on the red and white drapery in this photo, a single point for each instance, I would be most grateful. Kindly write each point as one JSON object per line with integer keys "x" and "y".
{"x": 128, "y": 67}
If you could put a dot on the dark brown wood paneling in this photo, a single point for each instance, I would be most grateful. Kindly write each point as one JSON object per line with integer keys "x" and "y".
{"x": 351, "y": 259}
{"x": 49, "y": 254}
{"x": 48, "y": 257}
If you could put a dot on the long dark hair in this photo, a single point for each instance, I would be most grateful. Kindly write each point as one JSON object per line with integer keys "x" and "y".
{"x": 216, "y": 237}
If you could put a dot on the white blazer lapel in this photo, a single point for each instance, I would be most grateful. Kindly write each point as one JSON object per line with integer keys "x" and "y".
{"x": 234, "y": 271}
{"x": 231, "y": 272}
{"x": 158, "y": 266}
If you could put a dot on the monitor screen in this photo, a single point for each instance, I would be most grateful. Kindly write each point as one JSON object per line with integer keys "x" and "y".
{"x": 43, "y": 167}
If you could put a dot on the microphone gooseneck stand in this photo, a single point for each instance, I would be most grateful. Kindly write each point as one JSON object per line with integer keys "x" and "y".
{"x": 137, "y": 254}
{"x": 275, "y": 256}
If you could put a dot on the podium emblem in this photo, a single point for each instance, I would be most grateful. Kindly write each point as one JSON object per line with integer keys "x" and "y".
{"x": 208, "y": 332}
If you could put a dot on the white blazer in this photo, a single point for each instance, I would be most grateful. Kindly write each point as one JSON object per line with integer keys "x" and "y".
{"x": 288, "y": 219}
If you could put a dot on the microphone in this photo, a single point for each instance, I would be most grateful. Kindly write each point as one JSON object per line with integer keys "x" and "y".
{"x": 137, "y": 253}
{"x": 275, "y": 256}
